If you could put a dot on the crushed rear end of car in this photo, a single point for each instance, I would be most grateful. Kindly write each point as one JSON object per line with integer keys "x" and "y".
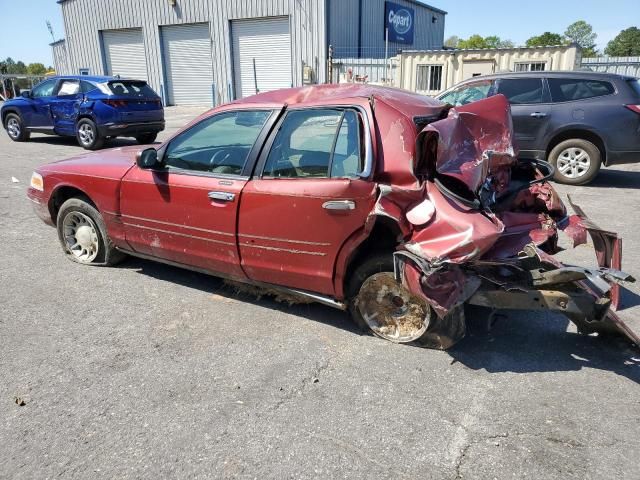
{"x": 482, "y": 227}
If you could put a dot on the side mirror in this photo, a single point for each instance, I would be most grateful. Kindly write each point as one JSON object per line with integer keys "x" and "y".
{"x": 25, "y": 93}
{"x": 147, "y": 158}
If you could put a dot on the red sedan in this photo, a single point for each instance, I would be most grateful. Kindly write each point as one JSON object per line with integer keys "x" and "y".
{"x": 392, "y": 205}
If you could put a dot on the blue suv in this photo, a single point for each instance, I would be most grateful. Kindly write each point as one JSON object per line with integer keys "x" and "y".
{"x": 92, "y": 109}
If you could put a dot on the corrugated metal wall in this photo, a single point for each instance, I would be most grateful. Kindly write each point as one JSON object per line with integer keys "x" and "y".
{"x": 428, "y": 35}
{"x": 84, "y": 19}
{"x": 60, "y": 61}
{"x": 621, "y": 65}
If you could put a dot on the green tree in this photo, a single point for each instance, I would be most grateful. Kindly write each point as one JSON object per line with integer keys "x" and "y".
{"x": 478, "y": 41}
{"x": 452, "y": 41}
{"x": 36, "y": 69}
{"x": 626, "y": 43}
{"x": 581, "y": 32}
{"x": 545, "y": 40}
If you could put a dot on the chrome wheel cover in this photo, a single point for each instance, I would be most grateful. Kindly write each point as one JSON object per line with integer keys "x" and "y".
{"x": 573, "y": 162}
{"x": 86, "y": 134}
{"x": 13, "y": 127}
{"x": 80, "y": 235}
{"x": 390, "y": 310}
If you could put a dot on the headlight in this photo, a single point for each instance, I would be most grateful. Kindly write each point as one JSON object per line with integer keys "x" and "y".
{"x": 37, "y": 183}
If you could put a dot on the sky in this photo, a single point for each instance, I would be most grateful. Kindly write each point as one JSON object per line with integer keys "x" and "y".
{"x": 24, "y": 35}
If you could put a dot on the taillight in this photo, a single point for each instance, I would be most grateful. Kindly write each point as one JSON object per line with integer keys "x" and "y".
{"x": 634, "y": 108}
{"x": 115, "y": 103}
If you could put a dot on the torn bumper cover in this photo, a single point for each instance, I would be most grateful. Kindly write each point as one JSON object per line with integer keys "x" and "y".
{"x": 485, "y": 228}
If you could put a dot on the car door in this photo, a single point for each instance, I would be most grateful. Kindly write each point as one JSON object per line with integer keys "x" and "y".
{"x": 307, "y": 198}
{"x": 65, "y": 106}
{"x": 530, "y": 111}
{"x": 186, "y": 212}
{"x": 38, "y": 112}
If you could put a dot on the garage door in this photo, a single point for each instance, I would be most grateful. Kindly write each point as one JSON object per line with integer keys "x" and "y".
{"x": 124, "y": 53}
{"x": 261, "y": 55}
{"x": 187, "y": 64}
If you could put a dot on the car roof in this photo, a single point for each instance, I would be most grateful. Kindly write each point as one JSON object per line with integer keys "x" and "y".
{"x": 93, "y": 78}
{"x": 554, "y": 73}
{"x": 409, "y": 103}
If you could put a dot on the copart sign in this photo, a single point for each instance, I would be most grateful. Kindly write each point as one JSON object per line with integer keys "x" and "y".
{"x": 399, "y": 20}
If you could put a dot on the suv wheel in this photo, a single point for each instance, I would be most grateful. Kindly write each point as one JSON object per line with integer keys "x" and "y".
{"x": 576, "y": 161}
{"x": 15, "y": 128}
{"x": 377, "y": 303}
{"x": 88, "y": 135}
{"x": 146, "y": 138}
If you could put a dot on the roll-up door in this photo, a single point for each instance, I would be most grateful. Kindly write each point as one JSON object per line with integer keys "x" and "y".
{"x": 124, "y": 53}
{"x": 261, "y": 55}
{"x": 187, "y": 64}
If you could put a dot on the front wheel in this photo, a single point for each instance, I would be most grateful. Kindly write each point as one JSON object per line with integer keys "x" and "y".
{"x": 576, "y": 161}
{"x": 83, "y": 234}
{"x": 15, "y": 128}
{"x": 88, "y": 135}
{"x": 146, "y": 138}
{"x": 379, "y": 304}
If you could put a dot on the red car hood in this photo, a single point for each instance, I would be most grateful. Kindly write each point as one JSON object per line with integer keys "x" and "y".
{"x": 113, "y": 163}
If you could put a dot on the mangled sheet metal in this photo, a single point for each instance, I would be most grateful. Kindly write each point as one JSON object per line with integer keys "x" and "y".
{"x": 482, "y": 226}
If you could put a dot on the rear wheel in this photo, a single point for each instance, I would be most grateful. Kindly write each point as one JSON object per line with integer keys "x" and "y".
{"x": 146, "y": 138}
{"x": 15, "y": 128}
{"x": 576, "y": 161}
{"x": 88, "y": 135}
{"x": 382, "y": 306}
{"x": 83, "y": 234}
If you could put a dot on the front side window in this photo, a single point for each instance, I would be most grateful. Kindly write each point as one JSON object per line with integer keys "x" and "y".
{"x": 218, "y": 144}
{"x": 468, "y": 93}
{"x": 521, "y": 90}
{"x": 317, "y": 143}
{"x": 45, "y": 89}
{"x": 69, "y": 87}
{"x": 568, "y": 89}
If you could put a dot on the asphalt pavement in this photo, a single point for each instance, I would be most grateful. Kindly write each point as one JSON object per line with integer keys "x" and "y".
{"x": 149, "y": 371}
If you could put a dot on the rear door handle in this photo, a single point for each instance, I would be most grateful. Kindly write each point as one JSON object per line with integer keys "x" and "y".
{"x": 223, "y": 196}
{"x": 339, "y": 205}
{"x": 538, "y": 114}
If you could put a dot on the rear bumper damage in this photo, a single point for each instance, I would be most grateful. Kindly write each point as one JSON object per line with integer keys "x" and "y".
{"x": 482, "y": 229}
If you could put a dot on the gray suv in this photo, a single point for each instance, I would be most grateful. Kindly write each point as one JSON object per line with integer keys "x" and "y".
{"x": 577, "y": 121}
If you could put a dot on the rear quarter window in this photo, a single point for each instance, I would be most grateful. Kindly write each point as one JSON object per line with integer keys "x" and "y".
{"x": 569, "y": 89}
{"x": 634, "y": 83}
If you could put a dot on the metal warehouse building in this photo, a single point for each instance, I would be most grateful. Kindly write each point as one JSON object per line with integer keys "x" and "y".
{"x": 213, "y": 51}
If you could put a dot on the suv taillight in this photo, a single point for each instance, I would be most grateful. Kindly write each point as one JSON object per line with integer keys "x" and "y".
{"x": 115, "y": 103}
{"x": 634, "y": 108}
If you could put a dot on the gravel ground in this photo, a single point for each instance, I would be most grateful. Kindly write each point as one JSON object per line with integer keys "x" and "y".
{"x": 148, "y": 371}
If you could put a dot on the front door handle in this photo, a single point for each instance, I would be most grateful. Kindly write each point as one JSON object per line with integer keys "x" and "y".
{"x": 223, "y": 196}
{"x": 538, "y": 114}
{"x": 339, "y": 205}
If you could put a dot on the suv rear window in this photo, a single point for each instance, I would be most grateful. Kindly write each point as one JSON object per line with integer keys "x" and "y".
{"x": 634, "y": 83}
{"x": 131, "y": 89}
{"x": 521, "y": 90}
{"x": 568, "y": 89}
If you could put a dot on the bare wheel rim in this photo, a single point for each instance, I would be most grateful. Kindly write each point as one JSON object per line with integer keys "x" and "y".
{"x": 573, "y": 162}
{"x": 390, "y": 310}
{"x": 13, "y": 127}
{"x": 86, "y": 134}
{"x": 80, "y": 236}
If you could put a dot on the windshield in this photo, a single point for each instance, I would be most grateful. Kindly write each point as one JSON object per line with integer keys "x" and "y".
{"x": 126, "y": 88}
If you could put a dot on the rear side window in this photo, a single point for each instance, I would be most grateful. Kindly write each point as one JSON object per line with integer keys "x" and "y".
{"x": 131, "y": 89}
{"x": 86, "y": 87}
{"x": 568, "y": 89}
{"x": 521, "y": 90}
{"x": 634, "y": 83}
{"x": 316, "y": 143}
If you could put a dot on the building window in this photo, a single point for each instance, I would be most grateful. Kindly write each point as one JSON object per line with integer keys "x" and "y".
{"x": 530, "y": 66}
{"x": 84, "y": 71}
{"x": 429, "y": 77}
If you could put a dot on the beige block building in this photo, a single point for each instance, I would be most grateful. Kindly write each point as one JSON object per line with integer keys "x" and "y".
{"x": 433, "y": 71}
